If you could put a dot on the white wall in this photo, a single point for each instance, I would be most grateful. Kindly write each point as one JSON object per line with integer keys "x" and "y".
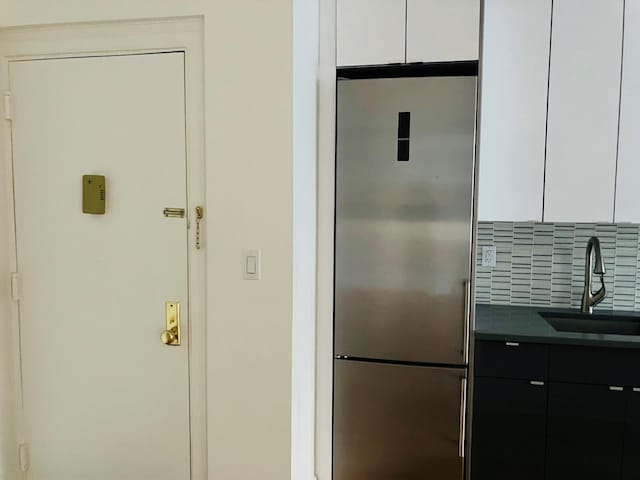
{"x": 249, "y": 117}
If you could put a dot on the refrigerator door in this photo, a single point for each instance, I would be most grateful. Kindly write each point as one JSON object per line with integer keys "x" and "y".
{"x": 403, "y": 217}
{"x": 397, "y": 422}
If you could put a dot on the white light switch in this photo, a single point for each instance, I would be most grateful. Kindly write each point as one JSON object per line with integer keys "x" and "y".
{"x": 251, "y": 265}
{"x": 489, "y": 256}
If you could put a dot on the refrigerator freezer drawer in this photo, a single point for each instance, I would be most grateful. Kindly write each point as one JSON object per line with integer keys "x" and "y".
{"x": 398, "y": 422}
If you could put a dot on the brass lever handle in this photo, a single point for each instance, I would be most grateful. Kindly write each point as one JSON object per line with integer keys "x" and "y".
{"x": 171, "y": 336}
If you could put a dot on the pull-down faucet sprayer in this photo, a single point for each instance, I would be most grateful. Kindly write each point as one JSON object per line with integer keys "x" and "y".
{"x": 590, "y": 299}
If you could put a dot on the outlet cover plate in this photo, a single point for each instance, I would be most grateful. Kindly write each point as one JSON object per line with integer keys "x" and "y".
{"x": 489, "y": 256}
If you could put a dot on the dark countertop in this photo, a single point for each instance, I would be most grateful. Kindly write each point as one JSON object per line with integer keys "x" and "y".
{"x": 524, "y": 324}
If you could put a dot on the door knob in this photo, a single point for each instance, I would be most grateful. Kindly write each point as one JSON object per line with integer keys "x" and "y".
{"x": 171, "y": 336}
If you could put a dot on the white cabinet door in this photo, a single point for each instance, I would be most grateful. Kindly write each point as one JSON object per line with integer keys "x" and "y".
{"x": 584, "y": 96}
{"x": 515, "y": 67}
{"x": 371, "y": 32}
{"x": 442, "y": 30}
{"x": 628, "y": 185}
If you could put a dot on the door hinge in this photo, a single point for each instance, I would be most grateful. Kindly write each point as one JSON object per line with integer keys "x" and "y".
{"x": 23, "y": 456}
{"x": 15, "y": 287}
{"x": 8, "y": 106}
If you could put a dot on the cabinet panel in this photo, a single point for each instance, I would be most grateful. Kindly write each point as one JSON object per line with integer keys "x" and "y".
{"x": 370, "y": 32}
{"x": 442, "y": 30}
{"x": 585, "y": 432}
{"x": 512, "y": 360}
{"x": 584, "y": 94}
{"x": 509, "y": 427}
{"x": 596, "y": 366}
{"x": 628, "y": 185}
{"x": 631, "y": 459}
{"x": 515, "y": 71}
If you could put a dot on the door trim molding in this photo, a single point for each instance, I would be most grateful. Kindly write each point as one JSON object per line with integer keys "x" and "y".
{"x": 127, "y": 38}
{"x": 325, "y": 243}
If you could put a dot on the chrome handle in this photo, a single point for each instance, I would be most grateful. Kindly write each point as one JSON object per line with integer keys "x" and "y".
{"x": 636, "y": 389}
{"x": 537, "y": 383}
{"x": 467, "y": 319}
{"x": 512, "y": 344}
{"x": 616, "y": 389}
{"x": 463, "y": 417}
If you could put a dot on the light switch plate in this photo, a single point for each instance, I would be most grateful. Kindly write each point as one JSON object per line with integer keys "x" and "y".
{"x": 251, "y": 264}
{"x": 489, "y": 256}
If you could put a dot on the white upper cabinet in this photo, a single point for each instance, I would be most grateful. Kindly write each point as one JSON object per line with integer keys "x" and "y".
{"x": 628, "y": 185}
{"x": 442, "y": 30}
{"x": 371, "y": 32}
{"x": 515, "y": 68}
{"x": 379, "y": 32}
{"x": 584, "y": 99}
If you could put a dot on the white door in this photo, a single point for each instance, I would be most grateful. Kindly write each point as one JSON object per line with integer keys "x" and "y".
{"x": 442, "y": 30}
{"x": 628, "y": 175}
{"x": 515, "y": 79}
{"x": 103, "y": 397}
{"x": 584, "y": 107}
{"x": 370, "y": 32}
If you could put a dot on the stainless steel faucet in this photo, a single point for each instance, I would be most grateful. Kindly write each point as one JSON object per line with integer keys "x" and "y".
{"x": 590, "y": 299}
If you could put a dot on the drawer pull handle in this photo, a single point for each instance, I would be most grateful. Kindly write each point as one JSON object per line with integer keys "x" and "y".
{"x": 636, "y": 389}
{"x": 463, "y": 417}
{"x": 536, "y": 383}
{"x": 616, "y": 389}
{"x": 512, "y": 344}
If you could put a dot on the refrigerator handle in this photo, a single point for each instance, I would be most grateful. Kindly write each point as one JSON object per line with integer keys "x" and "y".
{"x": 463, "y": 417}
{"x": 467, "y": 320}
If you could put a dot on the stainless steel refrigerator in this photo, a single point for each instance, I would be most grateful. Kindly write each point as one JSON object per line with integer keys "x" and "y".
{"x": 404, "y": 213}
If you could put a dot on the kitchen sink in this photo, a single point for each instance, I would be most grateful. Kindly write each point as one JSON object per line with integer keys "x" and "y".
{"x": 583, "y": 323}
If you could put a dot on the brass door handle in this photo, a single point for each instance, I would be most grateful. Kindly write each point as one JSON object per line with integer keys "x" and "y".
{"x": 171, "y": 336}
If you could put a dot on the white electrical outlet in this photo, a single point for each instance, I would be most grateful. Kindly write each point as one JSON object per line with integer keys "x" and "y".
{"x": 489, "y": 256}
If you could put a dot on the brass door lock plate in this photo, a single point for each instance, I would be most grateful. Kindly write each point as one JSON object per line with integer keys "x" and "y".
{"x": 94, "y": 194}
{"x": 171, "y": 336}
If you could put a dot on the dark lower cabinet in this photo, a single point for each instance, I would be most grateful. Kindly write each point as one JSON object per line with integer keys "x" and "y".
{"x": 509, "y": 429}
{"x": 631, "y": 458}
{"x": 580, "y": 419}
{"x": 586, "y": 429}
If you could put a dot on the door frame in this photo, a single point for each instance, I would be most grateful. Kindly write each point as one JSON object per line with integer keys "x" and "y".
{"x": 95, "y": 39}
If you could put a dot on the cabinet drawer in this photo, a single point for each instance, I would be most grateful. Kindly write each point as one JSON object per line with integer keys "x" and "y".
{"x": 599, "y": 366}
{"x": 512, "y": 360}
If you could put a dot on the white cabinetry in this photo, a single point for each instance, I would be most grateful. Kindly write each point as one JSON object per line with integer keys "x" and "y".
{"x": 371, "y": 32}
{"x": 515, "y": 67}
{"x": 584, "y": 100}
{"x": 442, "y": 30}
{"x": 628, "y": 182}
{"x": 379, "y": 32}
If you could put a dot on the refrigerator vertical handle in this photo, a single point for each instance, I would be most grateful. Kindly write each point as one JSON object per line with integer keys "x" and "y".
{"x": 463, "y": 417}
{"x": 467, "y": 320}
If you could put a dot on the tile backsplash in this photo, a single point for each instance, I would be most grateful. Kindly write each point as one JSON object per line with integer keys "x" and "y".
{"x": 542, "y": 264}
